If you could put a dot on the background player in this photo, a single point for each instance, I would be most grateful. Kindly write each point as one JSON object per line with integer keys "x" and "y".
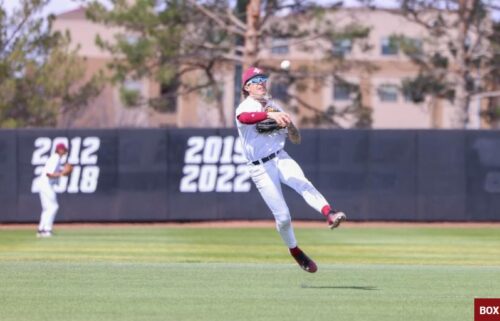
{"x": 270, "y": 165}
{"x": 53, "y": 169}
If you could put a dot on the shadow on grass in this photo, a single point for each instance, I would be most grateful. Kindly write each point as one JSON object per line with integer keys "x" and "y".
{"x": 364, "y": 288}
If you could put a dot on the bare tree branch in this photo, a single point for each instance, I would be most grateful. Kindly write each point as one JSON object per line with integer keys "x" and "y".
{"x": 235, "y": 20}
{"x": 216, "y": 19}
{"x": 15, "y": 32}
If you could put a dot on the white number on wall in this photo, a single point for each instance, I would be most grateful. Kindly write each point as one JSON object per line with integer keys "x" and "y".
{"x": 82, "y": 155}
{"x": 214, "y": 164}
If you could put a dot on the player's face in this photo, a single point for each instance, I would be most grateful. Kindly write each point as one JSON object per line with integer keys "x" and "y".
{"x": 61, "y": 151}
{"x": 257, "y": 86}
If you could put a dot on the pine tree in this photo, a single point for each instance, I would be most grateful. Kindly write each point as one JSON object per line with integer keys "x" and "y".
{"x": 40, "y": 75}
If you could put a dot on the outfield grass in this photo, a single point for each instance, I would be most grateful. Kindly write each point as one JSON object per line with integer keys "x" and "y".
{"x": 155, "y": 273}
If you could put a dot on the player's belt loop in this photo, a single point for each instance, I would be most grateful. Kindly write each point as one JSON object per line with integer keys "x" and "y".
{"x": 267, "y": 158}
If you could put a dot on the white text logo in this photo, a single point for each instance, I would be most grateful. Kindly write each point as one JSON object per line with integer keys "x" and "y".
{"x": 214, "y": 164}
{"x": 82, "y": 155}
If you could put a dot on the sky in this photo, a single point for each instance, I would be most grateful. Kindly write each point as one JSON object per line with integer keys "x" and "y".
{"x": 60, "y": 6}
{"x": 54, "y": 6}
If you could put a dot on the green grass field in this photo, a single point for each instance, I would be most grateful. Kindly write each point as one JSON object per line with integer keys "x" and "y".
{"x": 216, "y": 274}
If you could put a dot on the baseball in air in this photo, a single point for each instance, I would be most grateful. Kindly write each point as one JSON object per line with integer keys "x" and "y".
{"x": 285, "y": 64}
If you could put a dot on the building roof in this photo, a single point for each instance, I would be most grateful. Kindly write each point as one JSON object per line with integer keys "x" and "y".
{"x": 75, "y": 14}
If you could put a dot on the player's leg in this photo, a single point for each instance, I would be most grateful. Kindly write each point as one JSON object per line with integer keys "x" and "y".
{"x": 267, "y": 180}
{"x": 52, "y": 214}
{"x": 50, "y": 206}
{"x": 43, "y": 216}
{"x": 45, "y": 202}
{"x": 292, "y": 175}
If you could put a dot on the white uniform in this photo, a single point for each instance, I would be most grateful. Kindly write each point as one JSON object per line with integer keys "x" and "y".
{"x": 282, "y": 168}
{"x": 48, "y": 196}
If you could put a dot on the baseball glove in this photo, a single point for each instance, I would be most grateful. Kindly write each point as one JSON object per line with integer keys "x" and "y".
{"x": 67, "y": 169}
{"x": 267, "y": 126}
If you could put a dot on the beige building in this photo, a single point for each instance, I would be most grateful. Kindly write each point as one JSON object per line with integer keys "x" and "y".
{"x": 107, "y": 110}
{"x": 380, "y": 84}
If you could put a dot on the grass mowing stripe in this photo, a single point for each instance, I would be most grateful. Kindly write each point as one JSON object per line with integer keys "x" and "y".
{"x": 463, "y": 246}
{"x": 246, "y": 274}
{"x": 220, "y": 291}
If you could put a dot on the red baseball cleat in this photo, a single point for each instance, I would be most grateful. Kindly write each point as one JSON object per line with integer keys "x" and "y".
{"x": 304, "y": 261}
{"x": 334, "y": 219}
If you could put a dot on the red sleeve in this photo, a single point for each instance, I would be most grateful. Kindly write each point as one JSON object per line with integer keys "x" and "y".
{"x": 252, "y": 118}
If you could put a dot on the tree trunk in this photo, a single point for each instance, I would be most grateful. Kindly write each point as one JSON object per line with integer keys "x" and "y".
{"x": 461, "y": 94}
{"x": 461, "y": 101}
{"x": 252, "y": 34}
{"x": 436, "y": 106}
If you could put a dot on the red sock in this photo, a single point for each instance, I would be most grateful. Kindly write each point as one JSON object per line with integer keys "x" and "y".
{"x": 295, "y": 251}
{"x": 325, "y": 210}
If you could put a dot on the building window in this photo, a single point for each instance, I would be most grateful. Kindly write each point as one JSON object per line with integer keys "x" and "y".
{"x": 131, "y": 92}
{"x": 407, "y": 96}
{"x": 417, "y": 47}
{"x": 168, "y": 97}
{"x": 341, "y": 47}
{"x": 342, "y": 92}
{"x": 413, "y": 47}
{"x": 279, "y": 46}
{"x": 279, "y": 91}
{"x": 388, "y": 93}
{"x": 412, "y": 95}
{"x": 389, "y": 47}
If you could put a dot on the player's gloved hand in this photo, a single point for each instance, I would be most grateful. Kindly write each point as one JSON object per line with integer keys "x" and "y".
{"x": 281, "y": 118}
{"x": 267, "y": 126}
{"x": 68, "y": 168}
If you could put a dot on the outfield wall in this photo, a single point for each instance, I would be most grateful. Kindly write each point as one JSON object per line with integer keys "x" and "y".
{"x": 187, "y": 174}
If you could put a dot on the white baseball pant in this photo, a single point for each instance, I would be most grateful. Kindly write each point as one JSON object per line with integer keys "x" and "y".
{"x": 268, "y": 178}
{"x": 48, "y": 198}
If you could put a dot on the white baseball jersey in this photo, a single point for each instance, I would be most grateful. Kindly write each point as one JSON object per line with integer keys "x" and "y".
{"x": 54, "y": 164}
{"x": 257, "y": 145}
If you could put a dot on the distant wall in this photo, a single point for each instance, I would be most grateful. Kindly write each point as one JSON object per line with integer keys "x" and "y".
{"x": 183, "y": 174}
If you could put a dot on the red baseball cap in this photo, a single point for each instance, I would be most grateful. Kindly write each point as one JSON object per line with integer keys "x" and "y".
{"x": 251, "y": 73}
{"x": 61, "y": 146}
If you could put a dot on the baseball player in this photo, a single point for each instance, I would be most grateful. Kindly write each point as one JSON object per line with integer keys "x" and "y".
{"x": 270, "y": 165}
{"x": 53, "y": 169}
